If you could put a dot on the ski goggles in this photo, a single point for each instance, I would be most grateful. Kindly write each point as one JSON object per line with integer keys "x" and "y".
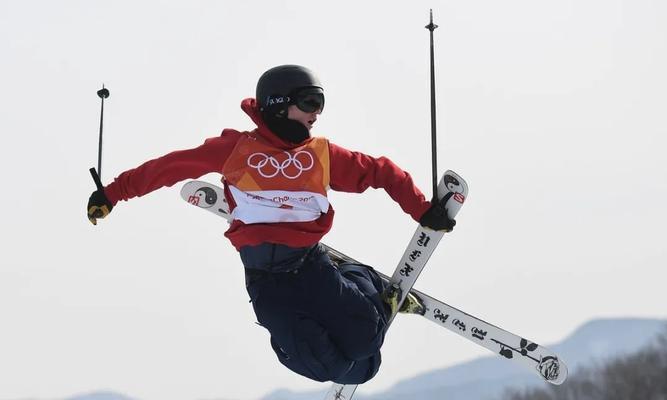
{"x": 308, "y": 100}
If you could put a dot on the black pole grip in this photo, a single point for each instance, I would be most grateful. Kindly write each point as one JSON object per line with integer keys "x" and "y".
{"x": 96, "y": 178}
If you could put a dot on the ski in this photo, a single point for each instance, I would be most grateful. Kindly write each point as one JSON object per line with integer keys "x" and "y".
{"x": 451, "y": 189}
{"x": 540, "y": 360}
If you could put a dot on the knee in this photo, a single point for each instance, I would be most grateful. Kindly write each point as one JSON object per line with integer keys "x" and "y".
{"x": 322, "y": 366}
{"x": 362, "y": 335}
{"x": 309, "y": 351}
{"x": 361, "y": 371}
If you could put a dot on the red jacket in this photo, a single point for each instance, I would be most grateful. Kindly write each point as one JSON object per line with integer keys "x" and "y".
{"x": 350, "y": 172}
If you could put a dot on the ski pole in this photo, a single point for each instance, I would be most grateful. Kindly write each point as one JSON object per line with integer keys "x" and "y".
{"x": 97, "y": 175}
{"x": 434, "y": 151}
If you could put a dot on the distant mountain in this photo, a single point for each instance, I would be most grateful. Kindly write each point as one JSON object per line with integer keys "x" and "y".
{"x": 101, "y": 395}
{"x": 488, "y": 377}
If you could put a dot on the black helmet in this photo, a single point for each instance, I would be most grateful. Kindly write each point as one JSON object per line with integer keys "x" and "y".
{"x": 277, "y": 85}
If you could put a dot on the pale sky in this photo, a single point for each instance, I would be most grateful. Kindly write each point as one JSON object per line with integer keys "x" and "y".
{"x": 553, "y": 111}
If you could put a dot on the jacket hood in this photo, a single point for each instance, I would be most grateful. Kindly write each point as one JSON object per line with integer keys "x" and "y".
{"x": 250, "y": 107}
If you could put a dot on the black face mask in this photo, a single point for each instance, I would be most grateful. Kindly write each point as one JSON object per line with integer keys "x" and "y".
{"x": 287, "y": 129}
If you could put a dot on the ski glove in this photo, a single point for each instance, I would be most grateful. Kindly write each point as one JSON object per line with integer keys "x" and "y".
{"x": 436, "y": 218}
{"x": 98, "y": 206}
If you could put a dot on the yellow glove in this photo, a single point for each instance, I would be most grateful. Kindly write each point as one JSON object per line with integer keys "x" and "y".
{"x": 98, "y": 206}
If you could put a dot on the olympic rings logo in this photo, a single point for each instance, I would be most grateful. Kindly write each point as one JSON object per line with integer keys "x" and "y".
{"x": 269, "y": 167}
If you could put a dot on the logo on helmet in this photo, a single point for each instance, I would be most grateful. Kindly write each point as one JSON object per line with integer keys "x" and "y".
{"x": 272, "y": 101}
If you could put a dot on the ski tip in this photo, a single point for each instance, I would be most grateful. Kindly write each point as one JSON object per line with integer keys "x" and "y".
{"x": 553, "y": 370}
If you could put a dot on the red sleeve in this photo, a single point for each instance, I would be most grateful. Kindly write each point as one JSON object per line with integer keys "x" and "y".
{"x": 355, "y": 172}
{"x": 172, "y": 168}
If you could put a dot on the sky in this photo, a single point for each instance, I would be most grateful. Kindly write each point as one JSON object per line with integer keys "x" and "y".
{"x": 553, "y": 111}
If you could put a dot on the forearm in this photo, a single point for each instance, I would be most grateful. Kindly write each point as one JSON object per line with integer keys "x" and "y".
{"x": 168, "y": 170}
{"x": 355, "y": 172}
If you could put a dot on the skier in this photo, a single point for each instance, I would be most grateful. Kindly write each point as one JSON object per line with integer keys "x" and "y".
{"x": 327, "y": 322}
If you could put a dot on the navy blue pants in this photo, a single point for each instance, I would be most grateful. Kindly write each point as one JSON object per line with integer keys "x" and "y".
{"x": 327, "y": 323}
